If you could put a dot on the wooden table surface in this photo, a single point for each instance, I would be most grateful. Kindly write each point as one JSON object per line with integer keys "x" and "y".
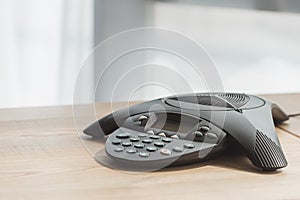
{"x": 42, "y": 157}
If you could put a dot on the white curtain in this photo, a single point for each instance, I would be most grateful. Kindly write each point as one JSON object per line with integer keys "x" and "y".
{"x": 42, "y": 45}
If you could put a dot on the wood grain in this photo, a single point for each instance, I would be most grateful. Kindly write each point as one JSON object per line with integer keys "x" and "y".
{"x": 42, "y": 157}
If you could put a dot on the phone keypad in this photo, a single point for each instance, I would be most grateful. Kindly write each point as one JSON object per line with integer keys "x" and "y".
{"x": 138, "y": 146}
{"x": 138, "y": 143}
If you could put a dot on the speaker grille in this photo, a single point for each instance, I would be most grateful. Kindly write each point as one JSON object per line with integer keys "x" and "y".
{"x": 237, "y": 100}
{"x": 203, "y": 99}
{"x": 268, "y": 154}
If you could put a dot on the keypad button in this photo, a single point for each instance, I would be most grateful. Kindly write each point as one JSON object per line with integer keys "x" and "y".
{"x": 159, "y": 144}
{"x": 169, "y": 134}
{"x": 175, "y": 137}
{"x": 155, "y": 137}
{"x": 142, "y": 135}
{"x": 119, "y": 149}
{"x": 162, "y": 134}
{"x": 123, "y": 135}
{"x": 141, "y": 121}
{"x": 151, "y": 149}
{"x": 147, "y": 141}
{"x": 144, "y": 154}
{"x": 150, "y": 132}
{"x": 143, "y": 117}
{"x": 137, "y": 123}
{"x": 139, "y": 145}
{"x": 126, "y": 144}
{"x": 212, "y": 135}
{"x": 204, "y": 129}
{"x": 198, "y": 134}
{"x": 133, "y": 139}
{"x": 177, "y": 149}
{"x": 116, "y": 142}
{"x": 166, "y": 152}
{"x": 166, "y": 139}
{"x": 131, "y": 151}
{"x": 189, "y": 145}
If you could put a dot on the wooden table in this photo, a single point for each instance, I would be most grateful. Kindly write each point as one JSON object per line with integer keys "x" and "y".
{"x": 42, "y": 157}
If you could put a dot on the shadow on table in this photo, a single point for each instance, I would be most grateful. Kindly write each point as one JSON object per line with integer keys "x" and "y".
{"x": 231, "y": 161}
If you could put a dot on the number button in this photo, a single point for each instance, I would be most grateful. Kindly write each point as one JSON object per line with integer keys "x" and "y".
{"x": 151, "y": 149}
{"x": 116, "y": 142}
{"x": 204, "y": 129}
{"x": 177, "y": 149}
{"x": 147, "y": 141}
{"x": 212, "y": 136}
{"x": 198, "y": 134}
{"x": 126, "y": 144}
{"x": 155, "y": 137}
{"x": 167, "y": 139}
{"x": 131, "y": 151}
{"x": 144, "y": 154}
{"x": 142, "y": 135}
{"x": 134, "y": 139}
{"x": 123, "y": 135}
{"x": 175, "y": 137}
{"x": 166, "y": 152}
{"x": 139, "y": 145}
{"x": 159, "y": 144}
{"x": 119, "y": 149}
{"x": 189, "y": 146}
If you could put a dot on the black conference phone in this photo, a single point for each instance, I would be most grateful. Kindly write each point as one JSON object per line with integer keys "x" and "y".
{"x": 183, "y": 129}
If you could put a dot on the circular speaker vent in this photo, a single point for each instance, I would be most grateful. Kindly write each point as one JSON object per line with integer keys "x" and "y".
{"x": 215, "y": 101}
{"x": 236, "y": 100}
{"x": 202, "y": 99}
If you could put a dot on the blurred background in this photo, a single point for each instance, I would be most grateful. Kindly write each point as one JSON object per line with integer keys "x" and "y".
{"x": 255, "y": 44}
